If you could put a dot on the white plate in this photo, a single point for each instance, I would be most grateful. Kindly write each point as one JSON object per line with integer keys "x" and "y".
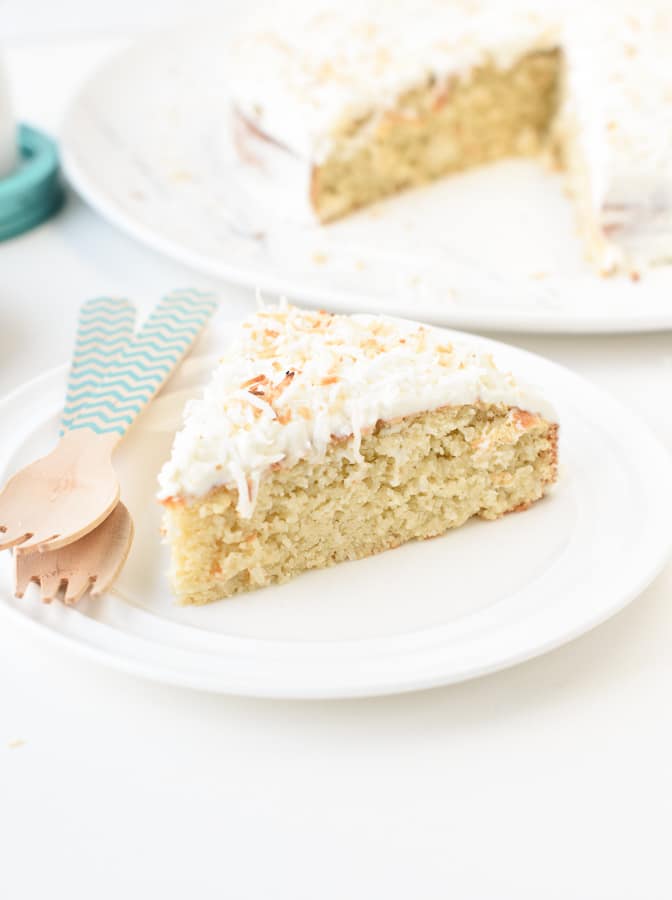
{"x": 480, "y": 598}
{"x": 146, "y": 142}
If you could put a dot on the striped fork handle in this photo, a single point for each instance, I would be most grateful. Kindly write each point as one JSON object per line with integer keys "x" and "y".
{"x": 105, "y": 328}
{"x": 135, "y": 376}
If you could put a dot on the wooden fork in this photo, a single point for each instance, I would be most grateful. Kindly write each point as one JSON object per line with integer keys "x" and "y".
{"x": 65, "y": 495}
{"x": 93, "y": 561}
{"x": 104, "y": 330}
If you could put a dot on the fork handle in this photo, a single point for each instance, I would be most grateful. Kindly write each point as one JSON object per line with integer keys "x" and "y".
{"x": 104, "y": 329}
{"x": 136, "y": 375}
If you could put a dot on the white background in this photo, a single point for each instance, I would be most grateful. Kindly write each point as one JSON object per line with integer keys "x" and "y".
{"x": 551, "y": 780}
{"x": 44, "y": 19}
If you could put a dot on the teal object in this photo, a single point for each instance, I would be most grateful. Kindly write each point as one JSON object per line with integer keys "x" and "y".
{"x": 33, "y": 192}
{"x": 143, "y": 365}
{"x": 106, "y": 327}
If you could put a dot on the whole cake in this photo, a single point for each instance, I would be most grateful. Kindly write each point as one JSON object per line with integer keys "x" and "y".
{"x": 344, "y": 105}
{"x": 323, "y": 438}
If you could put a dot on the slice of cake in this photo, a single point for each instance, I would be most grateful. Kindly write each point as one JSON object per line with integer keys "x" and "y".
{"x": 324, "y": 438}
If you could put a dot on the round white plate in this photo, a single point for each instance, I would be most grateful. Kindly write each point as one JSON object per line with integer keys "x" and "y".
{"x": 146, "y": 142}
{"x": 483, "y": 597}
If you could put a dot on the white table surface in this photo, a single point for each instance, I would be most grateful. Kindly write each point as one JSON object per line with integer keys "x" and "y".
{"x": 550, "y": 780}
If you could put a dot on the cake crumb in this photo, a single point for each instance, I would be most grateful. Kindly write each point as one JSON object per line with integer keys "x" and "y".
{"x": 320, "y": 258}
{"x": 15, "y": 743}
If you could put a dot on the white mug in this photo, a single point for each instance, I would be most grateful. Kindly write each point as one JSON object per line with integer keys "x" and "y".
{"x": 8, "y": 151}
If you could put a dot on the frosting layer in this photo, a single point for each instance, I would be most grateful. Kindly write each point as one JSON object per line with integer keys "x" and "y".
{"x": 295, "y": 380}
{"x": 618, "y": 111}
{"x": 303, "y": 77}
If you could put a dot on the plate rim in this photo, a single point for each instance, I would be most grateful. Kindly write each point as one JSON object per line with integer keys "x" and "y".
{"x": 113, "y": 657}
{"x": 533, "y": 321}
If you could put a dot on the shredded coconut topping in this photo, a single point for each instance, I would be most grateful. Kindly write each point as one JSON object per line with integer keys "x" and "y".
{"x": 295, "y": 380}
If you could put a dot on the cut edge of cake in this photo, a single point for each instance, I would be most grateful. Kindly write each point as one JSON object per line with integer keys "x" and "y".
{"x": 314, "y": 515}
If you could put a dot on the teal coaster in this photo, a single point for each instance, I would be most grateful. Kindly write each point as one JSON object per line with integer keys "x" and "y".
{"x": 33, "y": 192}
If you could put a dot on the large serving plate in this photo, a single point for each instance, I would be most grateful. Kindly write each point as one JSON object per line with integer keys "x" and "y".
{"x": 147, "y": 143}
{"x": 483, "y": 597}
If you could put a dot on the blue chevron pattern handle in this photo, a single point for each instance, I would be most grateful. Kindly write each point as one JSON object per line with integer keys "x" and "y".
{"x": 104, "y": 330}
{"x": 143, "y": 366}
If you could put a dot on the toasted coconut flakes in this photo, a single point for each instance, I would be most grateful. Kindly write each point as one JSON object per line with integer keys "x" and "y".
{"x": 255, "y": 380}
{"x": 523, "y": 419}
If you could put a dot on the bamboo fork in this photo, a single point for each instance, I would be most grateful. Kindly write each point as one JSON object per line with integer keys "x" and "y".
{"x": 93, "y": 561}
{"x": 104, "y": 331}
{"x": 65, "y": 495}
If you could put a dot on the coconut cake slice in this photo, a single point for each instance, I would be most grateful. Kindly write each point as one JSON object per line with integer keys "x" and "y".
{"x": 322, "y": 438}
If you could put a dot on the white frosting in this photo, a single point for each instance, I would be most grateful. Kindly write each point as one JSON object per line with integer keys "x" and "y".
{"x": 301, "y": 76}
{"x": 294, "y": 380}
{"x": 619, "y": 109}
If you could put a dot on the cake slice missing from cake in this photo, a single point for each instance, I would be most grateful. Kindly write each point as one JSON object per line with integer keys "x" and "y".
{"x": 344, "y": 105}
{"x": 325, "y": 438}
{"x": 362, "y": 100}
